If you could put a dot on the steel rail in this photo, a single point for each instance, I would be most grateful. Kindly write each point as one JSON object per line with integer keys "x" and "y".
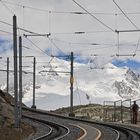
{"x": 45, "y": 135}
{"x": 68, "y": 131}
{"x": 57, "y": 126}
{"x": 127, "y": 131}
{"x": 117, "y": 132}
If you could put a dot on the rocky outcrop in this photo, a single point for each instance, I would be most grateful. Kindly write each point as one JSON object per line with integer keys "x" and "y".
{"x": 6, "y": 110}
{"x": 129, "y": 87}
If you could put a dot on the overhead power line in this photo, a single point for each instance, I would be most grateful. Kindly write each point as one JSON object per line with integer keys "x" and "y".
{"x": 126, "y": 15}
{"x": 127, "y": 31}
{"x": 137, "y": 46}
{"x": 81, "y": 43}
{"x": 72, "y": 33}
{"x": 23, "y": 29}
{"x": 82, "y": 32}
{"x": 55, "y": 45}
{"x": 93, "y": 16}
{"x": 37, "y": 46}
{"x": 7, "y": 7}
{"x": 32, "y": 33}
{"x": 24, "y": 6}
{"x": 6, "y": 32}
{"x": 125, "y": 55}
{"x": 64, "y": 12}
{"x": 6, "y": 23}
{"x": 46, "y": 35}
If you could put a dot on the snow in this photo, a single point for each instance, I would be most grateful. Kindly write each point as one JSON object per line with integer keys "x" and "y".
{"x": 53, "y": 89}
{"x": 96, "y": 83}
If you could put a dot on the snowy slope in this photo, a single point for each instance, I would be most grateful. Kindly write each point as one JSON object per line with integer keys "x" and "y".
{"x": 98, "y": 84}
{"x": 90, "y": 85}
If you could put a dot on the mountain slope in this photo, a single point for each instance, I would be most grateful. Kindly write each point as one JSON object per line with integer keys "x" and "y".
{"x": 91, "y": 85}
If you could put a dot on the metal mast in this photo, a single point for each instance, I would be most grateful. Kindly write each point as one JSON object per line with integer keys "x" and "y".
{"x": 7, "y": 75}
{"x": 20, "y": 78}
{"x": 15, "y": 71}
{"x": 34, "y": 73}
{"x": 71, "y": 87}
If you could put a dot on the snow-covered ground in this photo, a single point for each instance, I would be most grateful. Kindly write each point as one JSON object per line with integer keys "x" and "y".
{"x": 90, "y": 85}
{"x": 54, "y": 92}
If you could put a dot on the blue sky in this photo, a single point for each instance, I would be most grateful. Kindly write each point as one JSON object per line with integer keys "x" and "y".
{"x": 77, "y": 58}
{"x": 63, "y": 27}
{"x": 4, "y": 45}
{"x": 133, "y": 64}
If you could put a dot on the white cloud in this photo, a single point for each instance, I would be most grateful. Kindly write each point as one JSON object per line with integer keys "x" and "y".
{"x": 43, "y": 22}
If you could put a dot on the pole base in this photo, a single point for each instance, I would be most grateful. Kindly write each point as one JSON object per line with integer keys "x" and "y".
{"x": 71, "y": 114}
{"x": 33, "y": 106}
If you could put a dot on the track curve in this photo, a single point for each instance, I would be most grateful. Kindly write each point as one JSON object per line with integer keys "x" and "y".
{"x": 109, "y": 131}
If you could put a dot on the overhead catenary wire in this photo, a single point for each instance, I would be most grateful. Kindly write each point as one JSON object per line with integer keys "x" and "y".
{"x": 126, "y": 15}
{"x": 38, "y": 51}
{"x": 72, "y": 33}
{"x": 80, "y": 32}
{"x": 31, "y": 32}
{"x": 77, "y": 87}
{"x": 80, "y": 43}
{"x": 55, "y": 45}
{"x": 46, "y": 35}
{"x": 41, "y": 49}
{"x": 11, "y": 12}
{"x": 24, "y": 6}
{"x": 6, "y": 32}
{"x": 26, "y": 30}
{"x": 65, "y": 12}
{"x": 23, "y": 29}
{"x": 93, "y": 16}
{"x": 67, "y": 56}
{"x": 137, "y": 45}
{"x": 36, "y": 46}
{"x": 118, "y": 42}
{"x": 39, "y": 34}
{"x": 49, "y": 22}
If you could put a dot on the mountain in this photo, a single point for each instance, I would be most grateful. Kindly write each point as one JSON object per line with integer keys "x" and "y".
{"x": 129, "y": 87}
{"x": 91, "y": 84}
{"x": 6, "y": 110}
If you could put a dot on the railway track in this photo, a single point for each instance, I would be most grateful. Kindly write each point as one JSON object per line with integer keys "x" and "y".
{"x": 57, "y": 131}
{"x": 107, "y": 131}
{"x": 38, "y": 136}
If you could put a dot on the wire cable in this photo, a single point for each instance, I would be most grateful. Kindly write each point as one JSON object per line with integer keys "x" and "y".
{"x": 81, "y": 32}
{"x": 36, "y": 46}
{"x": 93, "y": 16}
{"x": 6, "y": 32}
{"x": 126, "y": 15}
{"x": 80, "y": 43}
{"x": 64, "y": 12}
{"x": 118, "y": 42}
{"x": 6, "y": 23}
{"x": 38, "y": 34}
{"x": 77, "y": 89}
{"x": 55, "y": 45}
{"x": 7, "y": 7}
{"x": 33, "y": 8}
{"x": 49, "y": 21}
{"x": 137, "y": 46}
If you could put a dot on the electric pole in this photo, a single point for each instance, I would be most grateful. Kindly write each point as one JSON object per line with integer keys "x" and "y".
{"x": 15, "y": 71}
{"x": 7, "y": 75}
{"x": 71, "y": 87}
{"x": 34, "y": 73}
{"x": 20, "y": 78}
{"x": 114, "y": 111}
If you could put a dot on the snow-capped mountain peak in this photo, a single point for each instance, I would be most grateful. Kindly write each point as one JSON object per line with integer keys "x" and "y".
{"x": 53, "y": 88}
